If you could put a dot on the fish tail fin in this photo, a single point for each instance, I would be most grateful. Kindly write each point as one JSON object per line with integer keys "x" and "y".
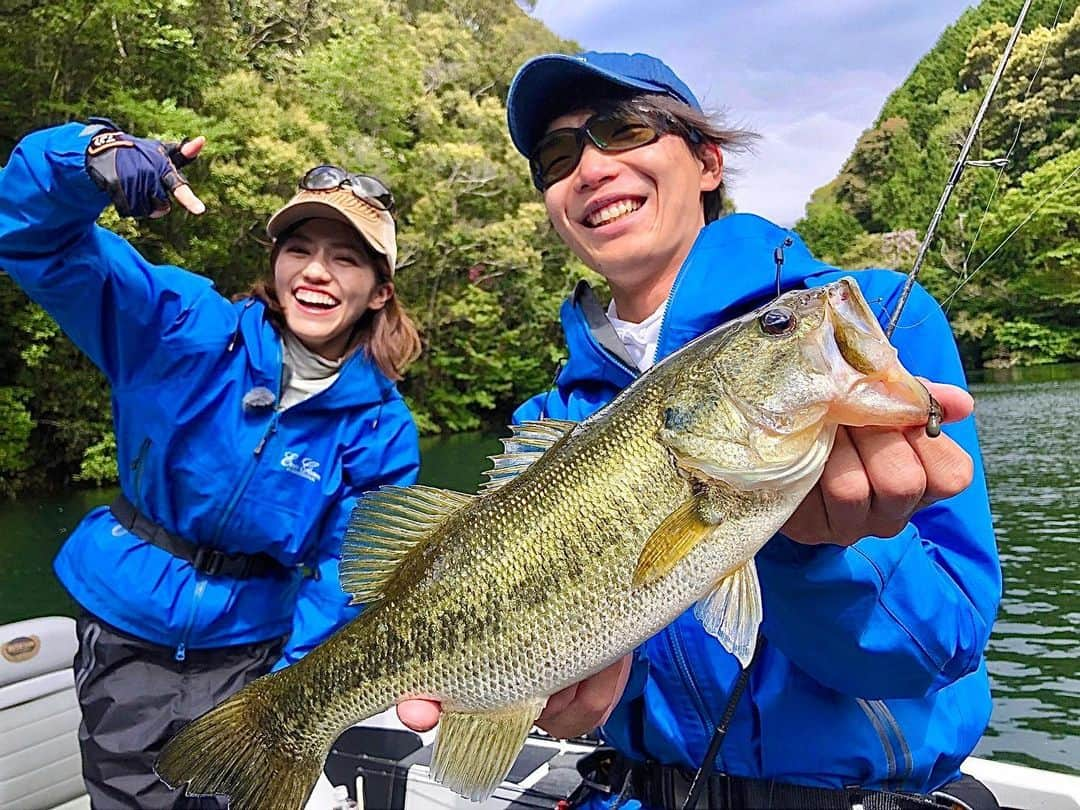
{"x": 233, "y": 750}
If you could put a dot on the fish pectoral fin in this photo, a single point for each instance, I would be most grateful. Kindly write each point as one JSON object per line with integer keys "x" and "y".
{"x": 732, "y": 611}
{"x": 474, "y": 751}
{"x": 384, "y": 528}
{"x": 672, "y": 540}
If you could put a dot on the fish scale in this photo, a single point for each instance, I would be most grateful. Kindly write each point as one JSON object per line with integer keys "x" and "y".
{"x": 587, "y": 540}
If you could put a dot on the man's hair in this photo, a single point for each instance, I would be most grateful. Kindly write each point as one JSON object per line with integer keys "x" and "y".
{"x": 387, "y": 335}
{"x": 673, "y": 116}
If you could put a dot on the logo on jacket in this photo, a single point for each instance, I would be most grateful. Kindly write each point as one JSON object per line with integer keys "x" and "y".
{"x": 305, "y": 468}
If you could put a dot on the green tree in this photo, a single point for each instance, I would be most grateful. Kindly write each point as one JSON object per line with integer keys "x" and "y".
{"x": 411, "y": 91}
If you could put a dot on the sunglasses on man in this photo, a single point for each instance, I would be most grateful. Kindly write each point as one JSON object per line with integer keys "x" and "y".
{"x": 558, "y": 153}
{"x": 370, "y": 189}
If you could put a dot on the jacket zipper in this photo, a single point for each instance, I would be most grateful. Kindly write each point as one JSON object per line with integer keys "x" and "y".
{"x": 137, "y": 466}
{"x": 664, "y": 318}
{"x": 679, "y": 656}
{"x": 249, "y": 471}
{"x": 200, "y": 582}
{"x": 196, "y": 597}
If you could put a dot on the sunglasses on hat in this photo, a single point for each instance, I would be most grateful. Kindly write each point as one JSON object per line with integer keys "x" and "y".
{"x": 370, "y": 189}
{"x": 558, "y": 153}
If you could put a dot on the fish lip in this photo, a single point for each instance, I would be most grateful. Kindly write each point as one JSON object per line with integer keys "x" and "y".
{"x": 871, "y": 365}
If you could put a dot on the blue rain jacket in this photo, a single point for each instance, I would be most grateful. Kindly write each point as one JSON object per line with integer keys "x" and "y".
{"x": 192, "y": 458}
{"x": 872, "y": 671}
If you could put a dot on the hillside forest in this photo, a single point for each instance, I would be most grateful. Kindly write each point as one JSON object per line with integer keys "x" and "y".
{"x": 413, "y": 91}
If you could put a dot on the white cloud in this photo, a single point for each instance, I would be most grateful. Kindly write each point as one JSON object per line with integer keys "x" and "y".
{"x": 803, "y": 154}
{"x": 810, "y": 77}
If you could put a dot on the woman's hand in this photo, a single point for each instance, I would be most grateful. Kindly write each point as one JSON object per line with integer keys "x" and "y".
{"x": 571, "y": 712}
{"x": 876, "y": 478}
{"x": 140, "y": 174}
{"x": 183, "y": 193}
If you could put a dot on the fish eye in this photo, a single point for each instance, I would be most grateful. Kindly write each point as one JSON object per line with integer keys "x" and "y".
{"x": 777, "y": 321}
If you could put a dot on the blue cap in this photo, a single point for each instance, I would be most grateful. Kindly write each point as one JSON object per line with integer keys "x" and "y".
{"x": 536, "y": 92}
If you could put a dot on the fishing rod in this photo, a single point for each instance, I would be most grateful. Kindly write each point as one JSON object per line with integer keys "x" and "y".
{"x": 958, "y": 170}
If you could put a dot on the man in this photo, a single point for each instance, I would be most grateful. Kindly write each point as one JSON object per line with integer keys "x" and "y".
{"x": 880, "y": 592}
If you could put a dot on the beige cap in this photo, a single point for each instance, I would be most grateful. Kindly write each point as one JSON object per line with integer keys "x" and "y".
{"x": 375, "y": 225}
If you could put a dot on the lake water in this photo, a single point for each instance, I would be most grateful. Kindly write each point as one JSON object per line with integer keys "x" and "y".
{"x": 1031, "y": 444}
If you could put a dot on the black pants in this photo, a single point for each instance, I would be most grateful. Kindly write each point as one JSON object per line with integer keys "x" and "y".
{"x": 661, "y": 787}
{"x": 135, "y": 696}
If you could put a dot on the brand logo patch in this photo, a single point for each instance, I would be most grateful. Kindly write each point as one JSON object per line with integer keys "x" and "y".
{"x": 104, "y": 141}
{"x": 305, "y": 468}
{"x": 20, "y": 649}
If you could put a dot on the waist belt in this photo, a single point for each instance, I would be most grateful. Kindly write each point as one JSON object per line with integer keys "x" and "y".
{"x": 210, "y": 561}
{"x": 662, "y": 786}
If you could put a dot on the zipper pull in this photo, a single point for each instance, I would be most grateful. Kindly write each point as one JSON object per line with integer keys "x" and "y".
{"x": 270, "y": 431}
{"x": 181, "y": 652}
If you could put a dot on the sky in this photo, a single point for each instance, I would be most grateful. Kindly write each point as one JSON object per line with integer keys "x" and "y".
{"x": 808, "y": 76}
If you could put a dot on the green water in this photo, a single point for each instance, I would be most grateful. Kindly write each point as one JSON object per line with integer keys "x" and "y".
{"x": 1028, "y": 423}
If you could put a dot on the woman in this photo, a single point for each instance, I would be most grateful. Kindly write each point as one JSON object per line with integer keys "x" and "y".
{"x": 245, "y": 432}
{"x": 870, "y": 671}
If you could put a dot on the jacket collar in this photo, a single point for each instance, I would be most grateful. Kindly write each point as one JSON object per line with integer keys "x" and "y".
{"x": 359, "y": 384}
{"x": 731, "y": 268}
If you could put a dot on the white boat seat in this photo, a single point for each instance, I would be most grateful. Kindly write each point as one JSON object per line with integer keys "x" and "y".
{"x": 40, "y": 767}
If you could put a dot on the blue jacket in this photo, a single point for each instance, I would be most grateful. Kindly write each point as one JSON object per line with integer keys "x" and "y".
{"x": 180, "y": 358}
{"x": 872, "y": 670}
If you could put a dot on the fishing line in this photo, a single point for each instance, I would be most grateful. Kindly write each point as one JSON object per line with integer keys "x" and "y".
{"x": 957, "y": 171}
{"x": 778, "y": 257}
{"x": 1015, "y": 230}
{"x": 1015, "y": 140}
{"x": 1004, "y": 241}
{"x": 1003, "y": 164}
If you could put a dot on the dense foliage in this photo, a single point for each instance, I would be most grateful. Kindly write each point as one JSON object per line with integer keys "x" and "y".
{"x": 411, "y": 90}
{"x": 1012, "y": 297}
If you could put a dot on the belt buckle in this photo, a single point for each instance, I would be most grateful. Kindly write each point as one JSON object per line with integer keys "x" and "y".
{"x": 209, "y": 560}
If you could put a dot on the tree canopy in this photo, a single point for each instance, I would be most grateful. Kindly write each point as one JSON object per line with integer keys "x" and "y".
{"x": 413, "y": 91}
{"x": 410, "y": 90}
{"x": 1006, "y": 260}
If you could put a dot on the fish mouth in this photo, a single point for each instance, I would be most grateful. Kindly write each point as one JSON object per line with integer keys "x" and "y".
{"x": 875, "y": 389}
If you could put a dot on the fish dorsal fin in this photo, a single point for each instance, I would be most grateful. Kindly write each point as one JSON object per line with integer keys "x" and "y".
{"x": 732, "y": 611}
{"x": 528, "y": 442}
{"x": 474, "y": 751}
{"x": 672, "y": 540}
{"x": 384, "y": 527}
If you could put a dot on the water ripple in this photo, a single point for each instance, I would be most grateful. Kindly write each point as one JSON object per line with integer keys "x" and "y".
{"x": 1032, "y": 452}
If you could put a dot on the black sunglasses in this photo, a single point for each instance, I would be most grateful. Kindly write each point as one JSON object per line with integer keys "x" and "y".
{"x": 558, "y": 153}
{"x": 370, "y": 189}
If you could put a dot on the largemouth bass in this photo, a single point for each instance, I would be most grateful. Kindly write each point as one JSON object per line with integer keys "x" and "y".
{"x": 587, "y": 539}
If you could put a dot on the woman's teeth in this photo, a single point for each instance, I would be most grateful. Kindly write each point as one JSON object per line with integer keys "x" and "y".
{"x": 318, "y": 299}
{"x": 612, "y": 212}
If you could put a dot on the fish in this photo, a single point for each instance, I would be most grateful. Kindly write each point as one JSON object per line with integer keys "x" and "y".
{"x": 587, "y": 539}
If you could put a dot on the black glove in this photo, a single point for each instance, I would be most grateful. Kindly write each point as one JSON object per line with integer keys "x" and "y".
{"x": 138, "y": 173}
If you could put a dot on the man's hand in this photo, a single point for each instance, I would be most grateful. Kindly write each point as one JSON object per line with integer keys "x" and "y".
{"x": 140, "y": 174}
{"x": 571, "y": 712}
{"x": 876, "y": 478}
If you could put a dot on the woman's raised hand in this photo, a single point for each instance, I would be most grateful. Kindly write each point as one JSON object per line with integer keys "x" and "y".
{"x": 139, "y": 174}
